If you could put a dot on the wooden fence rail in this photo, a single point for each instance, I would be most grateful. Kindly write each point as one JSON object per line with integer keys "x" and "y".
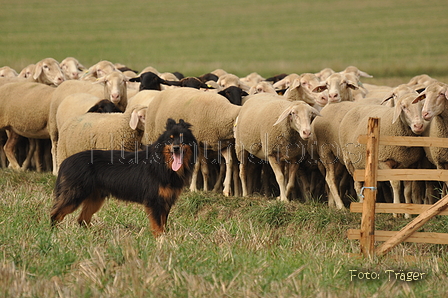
{"x": 367, "y": 235}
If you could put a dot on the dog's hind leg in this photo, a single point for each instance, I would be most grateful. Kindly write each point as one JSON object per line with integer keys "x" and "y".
{"x": 89, "y": 207}
{"x": 61, "y": 209}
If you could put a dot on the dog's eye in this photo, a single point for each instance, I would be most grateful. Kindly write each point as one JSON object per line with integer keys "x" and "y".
{"x": 171, "y": 137}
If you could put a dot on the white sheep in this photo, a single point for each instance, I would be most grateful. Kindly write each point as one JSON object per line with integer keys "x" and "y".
{"x": 111, "y": 87}
{"x": 261, "y": 87}
{"x": 339, "y": 88}
{"x": 99, "y": 70}
{"x": 302, "y": 88}
{"x": 7, "y": 72}
{"x": 211, "y": 115}
{"x": 27, "y": 71}
{"x": 273, "y": 129}
{"x": 286, "y": 82}
{"x": 252, "y": 79}
{"x": 71, "y": 68}
{"x": 324, "y": 73}
{"x": 435, "y": 109}
{"x": 110, "y": 131}
{"x": 25, "y": 107}
{"x": 48, "y": 72}
{"x": 404, "y": 119}
{"x": 229, "y": 79}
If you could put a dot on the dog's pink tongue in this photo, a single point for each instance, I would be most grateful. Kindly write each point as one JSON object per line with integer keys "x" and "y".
{"x": 177, "y": 162}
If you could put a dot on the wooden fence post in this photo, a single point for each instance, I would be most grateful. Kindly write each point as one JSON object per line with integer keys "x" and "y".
{"x": 367, "y": 232}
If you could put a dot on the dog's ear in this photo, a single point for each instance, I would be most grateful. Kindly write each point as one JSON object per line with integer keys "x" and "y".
{"x": 184, "y": 124}
{"x": 170, "y": 123}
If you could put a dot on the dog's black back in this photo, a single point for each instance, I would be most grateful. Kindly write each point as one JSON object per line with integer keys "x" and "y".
{"x": 148, "y": 177}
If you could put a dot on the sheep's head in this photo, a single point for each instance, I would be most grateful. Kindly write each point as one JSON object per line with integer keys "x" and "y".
{"x": 7, "y": 72}
{"x": 338, "y": 86}
{"x": 435, "y": 96}
{"x": 115, "y": 88}
{"x": 300, "y": 115}
{"x": 48, "y": 71}
{"x": 71, "y": 68}
{"x": 410, "y": 114}
{"x": 27, "y": 72}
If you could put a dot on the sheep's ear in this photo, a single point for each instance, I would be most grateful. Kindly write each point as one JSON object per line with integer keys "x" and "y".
{"x": 37, "y": 70}
{"x": 134, "y": 120}
{"x": 100, "y": 80}
{"x": 136, "y": 116}
{"x": 352, "y": 85}
{"x": 283, "y": 115}
{"x": 320, "y": 88}
{"x": 387, "y": 98}
{"x": 421, "y": 97}
{"x": 364, "y": 74}
{"x": 136, "y": 79}
{"x": 397, "y": 112}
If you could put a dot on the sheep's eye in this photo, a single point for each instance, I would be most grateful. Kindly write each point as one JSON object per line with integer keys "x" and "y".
{"x": 46, "y": 67}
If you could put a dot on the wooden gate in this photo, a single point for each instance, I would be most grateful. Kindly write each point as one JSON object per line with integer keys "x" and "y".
{"x": 371, "y": 175}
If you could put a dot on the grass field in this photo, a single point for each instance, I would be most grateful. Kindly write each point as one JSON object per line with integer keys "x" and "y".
{"x": 384, "y": 38}
{"x": 215, "y": 246}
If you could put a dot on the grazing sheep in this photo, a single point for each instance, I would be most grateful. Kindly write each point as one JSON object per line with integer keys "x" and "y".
{"x": 405, "y": 119}
{"x": 48, "y": 72}
{"x": 7, "y": 72}
{"x": 273, "y": 129}
{"x": 113, "y": 131}
{"x": 211, "y": 115}
{"x": 99, "y": 70}
{"x": 114, "y": 89}
{"x": 71, "y": 68}
{"x": 25, "y": 107}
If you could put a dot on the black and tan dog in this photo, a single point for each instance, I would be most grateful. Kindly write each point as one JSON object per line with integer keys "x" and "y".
{"x": 153, "y": 177}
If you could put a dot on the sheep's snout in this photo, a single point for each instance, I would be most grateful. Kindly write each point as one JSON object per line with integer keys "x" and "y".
{"x": 418, "y": 128}
{"x": 305, "y": 134}
{"x": 334, "y": 97}
{"x": 58, "y": 80}
{"x": 115, "y": 97}
{"x": 426, "y": 115}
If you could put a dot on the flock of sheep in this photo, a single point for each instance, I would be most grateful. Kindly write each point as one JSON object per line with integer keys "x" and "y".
{"x": 255, "y": 134}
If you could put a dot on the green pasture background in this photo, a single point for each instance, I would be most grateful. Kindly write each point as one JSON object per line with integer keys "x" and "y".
{"x": 385, "y": 38}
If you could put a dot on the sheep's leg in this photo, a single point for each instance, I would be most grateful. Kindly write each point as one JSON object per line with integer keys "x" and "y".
{"x": 31, "y": 151}
{"x": 396, "y": 184}
{"x": 54, "y": 145}
{"x": 277, "y": 168}
{"x": 220, "y": 178}
{"x": 293, "y": 168}
{"x": 227, "y": 154}
{"x": 205, "y": 173}
{"x": 9, "y": 148}
{"x": 331, "y": 182}
{"x": 243, "y": 164}
{"x": 196, "y": 169}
